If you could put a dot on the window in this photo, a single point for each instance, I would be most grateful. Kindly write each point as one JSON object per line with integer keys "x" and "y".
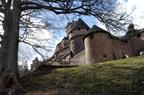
{"x": 104, "y": 55}
{"x": 79, "y": 29}
{"x": 138, "y": 35}
{"x": 64, "y": 43}
{"x": 81, "y": 23}
{"x": 123, "y": 57}
{"x": 71, "y": 32}
{"x": 71, "y": 54}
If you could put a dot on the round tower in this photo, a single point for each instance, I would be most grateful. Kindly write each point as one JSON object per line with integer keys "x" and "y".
{"x": 98, "y": 46}
{"x": 76, "y": 30}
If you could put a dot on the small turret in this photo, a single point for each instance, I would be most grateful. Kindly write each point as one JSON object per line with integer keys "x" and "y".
{"x": 35, "y": 63}
{"x": 131, "y": 28}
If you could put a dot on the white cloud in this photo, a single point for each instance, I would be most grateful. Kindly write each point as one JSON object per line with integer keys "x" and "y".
{"x": 138, "y": 13}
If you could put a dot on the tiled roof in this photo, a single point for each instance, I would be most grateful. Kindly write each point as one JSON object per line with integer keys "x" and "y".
{"x": 76, "y": 24}
{"x": 81, "y": 23}
{"x": 97, "y": 29}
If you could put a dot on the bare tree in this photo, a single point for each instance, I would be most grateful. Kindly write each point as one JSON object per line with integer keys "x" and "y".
{"x": 13, "y": 18}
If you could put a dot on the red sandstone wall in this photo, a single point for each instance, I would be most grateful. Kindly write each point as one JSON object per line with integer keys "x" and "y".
{"x": 98, "y": 47}
{"x": 76, "y": 40}
{"x": 137, "y": 44}
{"x": 77, "y": 44}
{"x": 121, "y": 48}
{"x": 142, "y": 36}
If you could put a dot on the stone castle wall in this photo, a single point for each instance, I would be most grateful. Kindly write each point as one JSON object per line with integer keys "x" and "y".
{"x": 88, "y": 46}
{"x": 137, "y": 45}
{"x": 102, "y": 46}
{"x": 98, "y": 48}
{"x": 79, "y": 59}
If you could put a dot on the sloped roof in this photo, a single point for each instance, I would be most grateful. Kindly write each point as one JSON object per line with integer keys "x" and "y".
{"x": 96, "y": 29}
{"x": 76, "y": 24}
{"x": 81, "y": 23}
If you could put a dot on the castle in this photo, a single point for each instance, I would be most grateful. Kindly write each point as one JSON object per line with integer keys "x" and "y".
{"x": 84, "y": 45}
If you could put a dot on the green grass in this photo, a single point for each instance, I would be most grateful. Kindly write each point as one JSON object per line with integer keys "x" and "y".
{"x": 119, "y": 77}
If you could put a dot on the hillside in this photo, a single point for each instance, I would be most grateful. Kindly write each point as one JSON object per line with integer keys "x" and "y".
{"x": 119, "y": 77}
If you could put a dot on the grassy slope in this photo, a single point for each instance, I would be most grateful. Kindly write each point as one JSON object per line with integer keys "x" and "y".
{"x": 120, "y": 77}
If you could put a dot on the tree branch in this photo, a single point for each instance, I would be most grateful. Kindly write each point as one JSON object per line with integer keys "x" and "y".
{"x": 34, "y": 48}
{"x": 3, "y": 2}
{"x": 1, "y": 8}
{"x": 34, "y": 5}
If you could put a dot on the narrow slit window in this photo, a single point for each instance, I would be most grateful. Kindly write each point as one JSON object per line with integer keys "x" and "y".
{"x": 104, "y": 55}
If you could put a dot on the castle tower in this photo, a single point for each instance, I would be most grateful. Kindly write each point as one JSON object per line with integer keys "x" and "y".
{"x": 98, "y": 46}
{"x": 76, "y": 30}
{"x": 131, "y": 30}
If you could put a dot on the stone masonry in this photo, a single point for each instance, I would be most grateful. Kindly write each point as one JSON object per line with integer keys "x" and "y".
{"x": 88, "y": 46}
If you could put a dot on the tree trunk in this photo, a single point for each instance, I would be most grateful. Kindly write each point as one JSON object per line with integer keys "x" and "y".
{"x": 9, "y": 51}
